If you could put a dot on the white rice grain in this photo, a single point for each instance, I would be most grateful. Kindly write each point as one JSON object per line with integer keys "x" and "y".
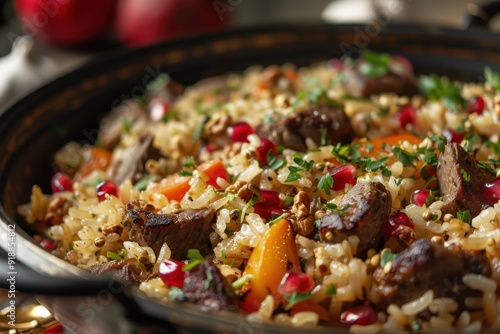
{"x": 419, "y": 304}
{"x": 480, "y": 282}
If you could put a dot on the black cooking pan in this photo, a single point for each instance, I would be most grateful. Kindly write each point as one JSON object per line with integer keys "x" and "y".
{"x": 70, "y": 107}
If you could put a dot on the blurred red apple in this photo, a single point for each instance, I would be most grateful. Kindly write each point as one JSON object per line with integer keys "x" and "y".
{"x": 66, "y": 22}
{"x": 141, "y": 22}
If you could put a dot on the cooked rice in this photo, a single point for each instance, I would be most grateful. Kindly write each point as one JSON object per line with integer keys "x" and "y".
{"x": 91, "y": 228}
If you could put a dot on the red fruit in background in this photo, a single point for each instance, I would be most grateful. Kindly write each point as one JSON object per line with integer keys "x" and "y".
{"x": 66, "y": 22}
{"x": 142, "y": 22}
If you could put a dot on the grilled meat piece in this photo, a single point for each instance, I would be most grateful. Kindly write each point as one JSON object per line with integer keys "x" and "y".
{"x": 460, "y": 181}
{"x": 181, "y": 231}
{"x": 426, "y": 265}
{"x": 129, "y": 270}
{"x": 310, "y": 123}
{"x": 367, "y": 207}
{"x": 205, "y": 286}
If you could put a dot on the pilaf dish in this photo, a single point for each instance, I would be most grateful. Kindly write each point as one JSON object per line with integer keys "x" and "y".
{"x": 347, "y": 193}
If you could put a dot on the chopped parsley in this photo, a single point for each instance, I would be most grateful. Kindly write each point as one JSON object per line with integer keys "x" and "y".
{"x": 195, "y": 259}
{"x": 326, "y": 183}
{"x": 275, "y": 219}
{"x": 387, "y": 257}
{"x": 335, "y": 209}
{"x": 307, "y": 165}
{"x": 188, "y": 167}
{"x": 374, "y": 64}
{"x": 113, "y": 256}
{"x": 465, "y": 175}
{"x": 300, "y": 98}
{"x": 274, "y": 162}
{"x": 249, "y": 205}
{"x": 175, "y": 293}
{"x": 331, "y": 290}
{"x": 464, "y": 216}
{"x": 208, "y": 281}
{"x": 493, "y": 78}
{"x": 296, "y": 298}
{"x": 161, "y": 81}
{"x": 406, "y": 158}
{"x": 437, "y": 88}
{"x": 240, "y": 282}
{"x": 127, "y": 125}
{"x": 294, "y": 174}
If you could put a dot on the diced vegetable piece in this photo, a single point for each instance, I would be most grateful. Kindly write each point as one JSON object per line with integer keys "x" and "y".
{"x": 275, "y": 255}
{"x": 214, "y": 169}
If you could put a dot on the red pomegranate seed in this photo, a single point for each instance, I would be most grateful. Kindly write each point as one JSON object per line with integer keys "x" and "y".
{"x": 394, "y": 220}
{"x": 407, "y": 115}
{"x": 271, "y": 201}
{"x": 48, "y": 244}
{"x": 54, "y": 329}
{"x": 476, "y": 105}
{"x": 491, "y": 191}
{"x": 359, "y": 315}
{"x": 261, "y": 152}
{"x": 453, "y": 136}
{"x": 106, "y": 187}
{"x": 239, "y": 132}
{"x": 295, "y": 282}
{"x": 61, "y": 182}
{"x": 171, "y": 273}
{"x": 342, "y": 175}
{"x": 420, "y": 196}
{"x": 158, "y": 109}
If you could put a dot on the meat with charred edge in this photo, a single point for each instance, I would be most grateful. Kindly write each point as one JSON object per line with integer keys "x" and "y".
{"x": 181, "y": 231}
{"x": 130, "y": 270}
{"x": 427, "y": 265}
{"x": 310, "y": 123}
{"x": 367, "y": 206}
{"x": 205, "y": 286}
{"x": 460, "y": 181}
{"x": 359, "y": 85}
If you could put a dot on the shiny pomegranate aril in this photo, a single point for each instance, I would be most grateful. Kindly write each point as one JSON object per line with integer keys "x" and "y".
{"x": 171, "y": 273}
{"x": 336, "y": 63}
{"x": 106, "y": 187}
{"x": 453, "y": 136}
{"x": 407, "y": 115}
{"x": 48, "y": 244}
{"x": 342, "y": 175}
{"x": 158, "y": 109}
{"x": 491, "y": 191}
{"x": 295, "y": 282}
{"x": 261, "y": 152}
{"x": 476, "y": 105}
{"x": 239, "y": 132}
{"x": 61, "y": 182}
{"x": 54, "y": 329}
{"x": 271, "y": 201}
{"x": 394, "y": 221}
{"x": 420, "y": 196}
{"x": 359, "y": 315}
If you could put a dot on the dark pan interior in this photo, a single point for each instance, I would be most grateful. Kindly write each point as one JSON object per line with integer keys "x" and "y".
{"x": 70, "y": 107}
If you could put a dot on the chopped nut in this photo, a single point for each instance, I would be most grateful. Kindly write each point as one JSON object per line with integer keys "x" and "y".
{"x": 305, "y": 221}
{"x": 427, "y": 215}
{"x": 329, "y": 235}
{"x": 99, "y": 242}
{"x": 254, "y": 188}
{"x": 375, "y": 260}
{"x": 235, "y": 187}
{"x": 56, "y": 211}
{"x": 245, "y": 194}
{"x": 388, "y": 267}
{"x": 217, "y": 124}
{"x": 491, "y": 242}
{"x": 437, "y": 240}
{"x": 448, "y": 217}
{"x": 319, "y": 214}
{"x": 107, "y": 229}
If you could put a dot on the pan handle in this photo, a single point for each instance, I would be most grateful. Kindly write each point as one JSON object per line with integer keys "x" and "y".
{"x": 478, "y": 16}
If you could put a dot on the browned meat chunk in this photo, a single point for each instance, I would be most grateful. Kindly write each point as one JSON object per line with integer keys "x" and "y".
{"x": 130, "y": 270}
{"x": 460, "y": 181}
{"x": 205, "y": 286}
{"x": 364, "y": 209}
{"x": 426, "y": 265}
{"x": 310, "y": 123}
{"x": 181, "y": 231}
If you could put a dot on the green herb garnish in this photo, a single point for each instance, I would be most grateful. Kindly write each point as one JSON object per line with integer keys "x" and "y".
{"x": 464, "y": 216}
{"x": 113, "y": 256}
{"x": 240, "y": 282}
{"x": 296, "y": 298}
{"x": 386, "y": 257}
{"x": 437, "y": 88}
{"x": 326, "y": 183}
